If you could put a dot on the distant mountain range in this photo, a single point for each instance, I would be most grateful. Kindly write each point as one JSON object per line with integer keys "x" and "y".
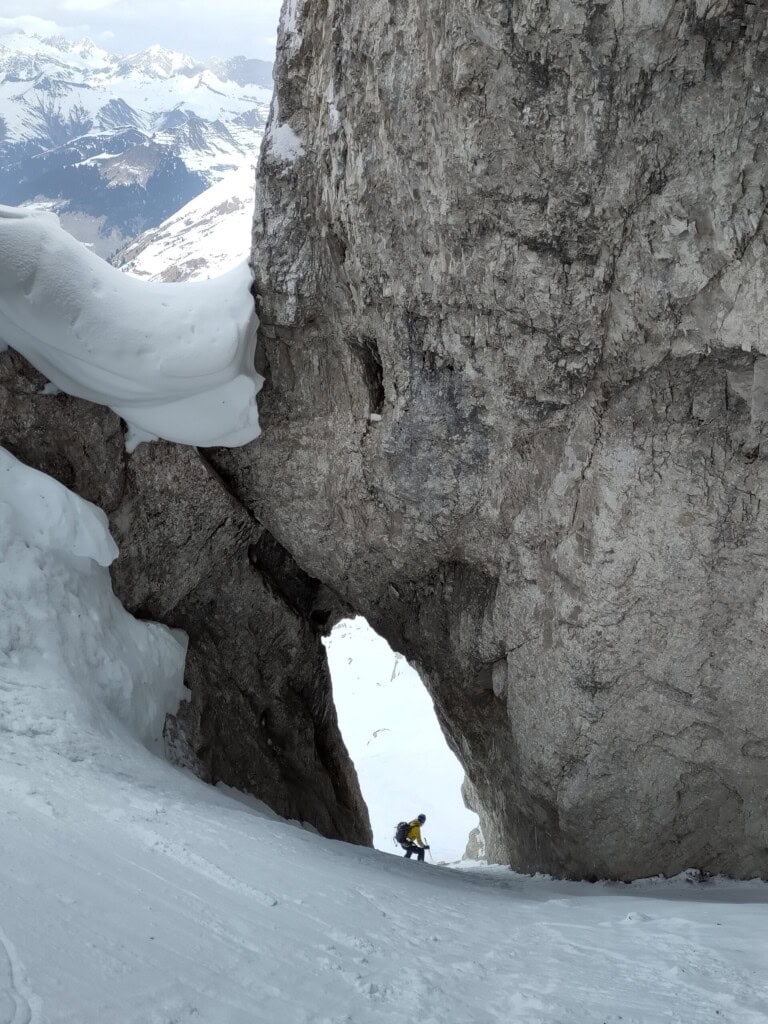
{"x": 117, "y": 144}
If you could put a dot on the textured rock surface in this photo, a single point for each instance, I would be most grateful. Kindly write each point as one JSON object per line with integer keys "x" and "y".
{"x": 512, "y": 291}
{"x": 260, "y": 715}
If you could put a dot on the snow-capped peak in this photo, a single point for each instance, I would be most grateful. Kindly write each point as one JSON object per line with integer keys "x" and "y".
{"x": 158, "y": 62}
{"x": 82, "y": 53}
{"x": 86, "y": 47}
{"x": 58, "y": 42}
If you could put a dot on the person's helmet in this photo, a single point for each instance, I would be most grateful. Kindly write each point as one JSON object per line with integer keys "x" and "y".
{"x": 422, "y": 818}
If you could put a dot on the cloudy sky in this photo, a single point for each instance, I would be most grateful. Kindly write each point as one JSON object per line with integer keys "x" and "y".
{"x": 202, "y": 28}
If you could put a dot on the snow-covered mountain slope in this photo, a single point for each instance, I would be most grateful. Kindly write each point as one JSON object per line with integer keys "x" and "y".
{"x": 120, "y": 143}
{"x": 206, "y": 237}
{"x": 132, "y": 893}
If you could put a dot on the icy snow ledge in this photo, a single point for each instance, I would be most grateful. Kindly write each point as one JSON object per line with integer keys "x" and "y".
{"x": 75, "y": 667}
{"x": 174, "y": 360}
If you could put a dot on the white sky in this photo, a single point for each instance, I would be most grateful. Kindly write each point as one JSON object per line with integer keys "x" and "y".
{"x": 202, "y": 28}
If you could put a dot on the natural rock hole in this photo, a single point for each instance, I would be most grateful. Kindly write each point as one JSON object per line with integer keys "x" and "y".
{"x": 388, "y": 723}
{"x": 515, "y": 412}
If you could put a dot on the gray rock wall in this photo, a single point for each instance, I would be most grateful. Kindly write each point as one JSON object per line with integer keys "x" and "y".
{"x": 512, "y": 294}
{"x": 260, "y": 715}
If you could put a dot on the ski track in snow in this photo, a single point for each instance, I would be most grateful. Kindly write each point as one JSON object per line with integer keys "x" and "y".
{"x": 15, "y": 1006}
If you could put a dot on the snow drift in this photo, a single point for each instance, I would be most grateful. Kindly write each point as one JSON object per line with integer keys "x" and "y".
{"x": 174, "y": 360}
{"x": 75, "y": 667}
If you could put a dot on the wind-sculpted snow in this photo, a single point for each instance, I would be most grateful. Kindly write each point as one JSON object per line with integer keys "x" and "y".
{"x": 95, "y": 667}
{"x": 45, "y": 515}
{"x": 174, "y": 360}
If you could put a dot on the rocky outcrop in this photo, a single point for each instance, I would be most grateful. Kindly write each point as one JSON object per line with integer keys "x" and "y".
{"x": 511, "y": 262}
{"x": 260, "y": 715}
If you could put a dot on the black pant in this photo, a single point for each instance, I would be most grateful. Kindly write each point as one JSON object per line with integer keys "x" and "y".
{"x": 413, "y": 848}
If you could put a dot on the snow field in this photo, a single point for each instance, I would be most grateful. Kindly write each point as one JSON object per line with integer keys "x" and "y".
{"x": 136, "y": 895}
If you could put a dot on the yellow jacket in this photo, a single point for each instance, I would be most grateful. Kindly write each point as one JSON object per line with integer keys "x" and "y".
{"x": 414, "y": 833}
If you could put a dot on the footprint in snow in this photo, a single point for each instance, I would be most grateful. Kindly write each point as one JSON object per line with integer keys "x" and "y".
{"x": 374, "y": 992}
{"x": 358, "y": 942}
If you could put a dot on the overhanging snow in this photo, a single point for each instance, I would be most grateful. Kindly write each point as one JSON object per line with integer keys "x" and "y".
{"x": 174, "y": 360}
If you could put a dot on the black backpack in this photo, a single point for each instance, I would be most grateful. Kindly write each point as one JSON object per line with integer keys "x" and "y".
{"x": 401, "y": 832}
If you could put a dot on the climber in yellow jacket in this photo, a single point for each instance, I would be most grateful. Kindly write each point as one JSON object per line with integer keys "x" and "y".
{"x": 413, "y": 841}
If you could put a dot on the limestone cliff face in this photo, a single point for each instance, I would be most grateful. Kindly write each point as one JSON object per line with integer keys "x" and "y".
{"x": 511, "y": 260}
{"x": 260, "y": 715}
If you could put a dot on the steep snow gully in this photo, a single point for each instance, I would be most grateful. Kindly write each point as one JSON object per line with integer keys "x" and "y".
{"x": 132, "y": 893}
